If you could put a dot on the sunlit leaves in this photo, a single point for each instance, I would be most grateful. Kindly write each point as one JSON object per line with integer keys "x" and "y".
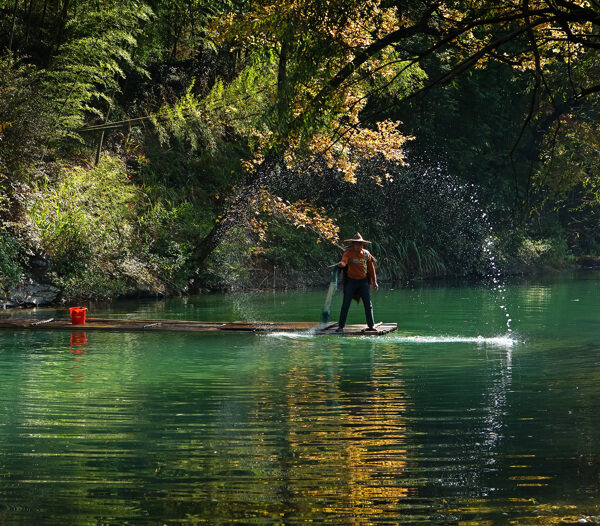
{"x": 308, "y": 41}
{"x": 300, "y": 214}
{"x": 356, "y": 143}
{"x": 572, "y": 160}
{"x": 83, "y": 216}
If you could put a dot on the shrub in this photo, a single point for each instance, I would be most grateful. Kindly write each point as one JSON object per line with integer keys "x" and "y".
{"x": 106, "y": 237}
{"x": 86, "y": 215}
{"x": 228, "y": 267}
{"x": 520, "y": 252}
{"x": 166, "y": 234}
{"x": 83, "y": 223}
{"x": 542, "y": 253}
{"x": 10, "y": 269}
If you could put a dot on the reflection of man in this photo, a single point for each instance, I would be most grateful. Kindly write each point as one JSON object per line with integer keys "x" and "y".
{"x": 359, "y": 267}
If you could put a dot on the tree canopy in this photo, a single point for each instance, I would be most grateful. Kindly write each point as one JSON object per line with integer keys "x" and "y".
{"x": 251, "y": 113}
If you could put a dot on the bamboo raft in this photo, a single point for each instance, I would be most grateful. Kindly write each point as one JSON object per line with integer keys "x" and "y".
{"x": 109, "y": 324}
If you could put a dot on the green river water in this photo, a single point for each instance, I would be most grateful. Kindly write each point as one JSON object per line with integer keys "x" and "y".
{"x": 451, "y": 420}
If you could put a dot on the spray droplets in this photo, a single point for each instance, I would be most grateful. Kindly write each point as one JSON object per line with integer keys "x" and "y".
{"x": 495, "y": 275}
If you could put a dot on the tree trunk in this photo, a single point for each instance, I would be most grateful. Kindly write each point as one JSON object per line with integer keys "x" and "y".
{"x": 207, "y": 245}
{"x": 44, "y": 13}
{"x": 31, "y": 2}
{"x": 12, "y": 26}
{"x": 62, "y": 23}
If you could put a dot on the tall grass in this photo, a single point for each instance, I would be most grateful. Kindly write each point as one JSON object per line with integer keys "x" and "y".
{"x": 403, "y": 258}
{"x": 100, "y": 234}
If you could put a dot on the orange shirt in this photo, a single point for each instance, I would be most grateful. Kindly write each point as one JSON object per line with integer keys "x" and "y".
{"x": 359, "y": 264}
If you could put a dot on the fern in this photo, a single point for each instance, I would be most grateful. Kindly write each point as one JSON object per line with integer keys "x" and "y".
{"x": 241, "y": 104}
{"x": 88, "y": 66}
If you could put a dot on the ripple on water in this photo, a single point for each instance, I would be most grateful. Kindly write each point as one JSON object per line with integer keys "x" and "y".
{"x": 431, "y": 424}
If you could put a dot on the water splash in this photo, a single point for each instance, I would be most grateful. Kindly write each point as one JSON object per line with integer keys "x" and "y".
{"x": 496, "y": 277}
{"x": 464, "y": 232}
{"x": 505, "y": 341}
{"x": 292, "y": 335}
{"x": 499, "y": 341}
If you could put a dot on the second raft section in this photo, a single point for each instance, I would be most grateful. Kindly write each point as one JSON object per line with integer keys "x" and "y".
{"x": 109, "y": 324}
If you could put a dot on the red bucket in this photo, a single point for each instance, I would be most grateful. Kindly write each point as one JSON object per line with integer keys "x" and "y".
{"x": 77, "y": 315}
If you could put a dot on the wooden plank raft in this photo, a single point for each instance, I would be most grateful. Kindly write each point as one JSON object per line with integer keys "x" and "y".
{"x": 354, "y": 330}
{"x": 110, "y": 324}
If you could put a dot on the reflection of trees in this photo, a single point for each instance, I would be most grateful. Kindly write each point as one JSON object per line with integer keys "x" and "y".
{"x": 68, "y": 430}
{"x": 460, "y": 394}
{"x": 354, "y": 439}
{"x": 316, "y": 434}
{"x": 315, "y": 428}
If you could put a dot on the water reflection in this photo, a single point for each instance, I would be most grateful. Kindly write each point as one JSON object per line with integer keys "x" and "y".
{"x": 77, "y": 347}
{"x": 431, "y": 425}
{"x": 78, "y": 343}
{"x": 356, "y": 440}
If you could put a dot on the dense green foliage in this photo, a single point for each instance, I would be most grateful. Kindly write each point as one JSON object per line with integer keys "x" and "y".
{"x": 169, "y": 146}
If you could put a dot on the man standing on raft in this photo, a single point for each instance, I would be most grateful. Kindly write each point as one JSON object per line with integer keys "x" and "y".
{"x": 359, "y": 271}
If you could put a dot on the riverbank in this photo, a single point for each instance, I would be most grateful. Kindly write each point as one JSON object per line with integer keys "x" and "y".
{"x": 32, "y": 292}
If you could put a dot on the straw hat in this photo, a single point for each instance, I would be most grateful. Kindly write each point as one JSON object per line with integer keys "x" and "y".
{"x": 357, "y": 239}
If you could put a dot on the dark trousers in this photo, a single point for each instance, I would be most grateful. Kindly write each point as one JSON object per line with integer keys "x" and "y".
{"x": 360, "y": 287}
